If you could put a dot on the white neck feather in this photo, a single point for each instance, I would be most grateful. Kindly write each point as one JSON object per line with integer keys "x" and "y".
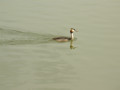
{"x": 72, "y": 37}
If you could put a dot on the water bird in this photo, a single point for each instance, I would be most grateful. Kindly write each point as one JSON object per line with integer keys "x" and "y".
{"x": 65, "y": 39}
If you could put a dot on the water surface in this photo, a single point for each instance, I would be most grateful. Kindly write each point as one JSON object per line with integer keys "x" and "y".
{"x": 31, "y": 60}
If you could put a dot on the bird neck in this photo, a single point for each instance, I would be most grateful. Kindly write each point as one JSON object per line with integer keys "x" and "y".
{"x": 72, "y": 37}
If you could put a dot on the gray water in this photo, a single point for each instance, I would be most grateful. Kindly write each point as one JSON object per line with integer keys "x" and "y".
{"x": 31, "y": 60}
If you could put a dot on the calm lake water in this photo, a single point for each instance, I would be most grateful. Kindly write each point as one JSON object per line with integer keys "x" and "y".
{"x": 31, "y": 60}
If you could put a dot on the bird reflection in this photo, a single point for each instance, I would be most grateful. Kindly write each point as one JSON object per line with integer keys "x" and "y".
{"x": 71, "y": 45}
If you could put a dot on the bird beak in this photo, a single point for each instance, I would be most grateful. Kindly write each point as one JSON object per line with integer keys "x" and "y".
{"x": 76, "y": 30}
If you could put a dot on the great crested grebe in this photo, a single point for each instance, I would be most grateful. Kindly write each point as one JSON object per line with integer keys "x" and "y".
{"x": 64, "y": 39}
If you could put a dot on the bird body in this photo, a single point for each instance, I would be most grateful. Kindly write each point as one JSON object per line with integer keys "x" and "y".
{"x": 64, "y": 39}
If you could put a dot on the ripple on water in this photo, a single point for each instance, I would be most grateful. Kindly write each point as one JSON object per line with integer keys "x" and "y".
{"x": 15, "y": 37}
